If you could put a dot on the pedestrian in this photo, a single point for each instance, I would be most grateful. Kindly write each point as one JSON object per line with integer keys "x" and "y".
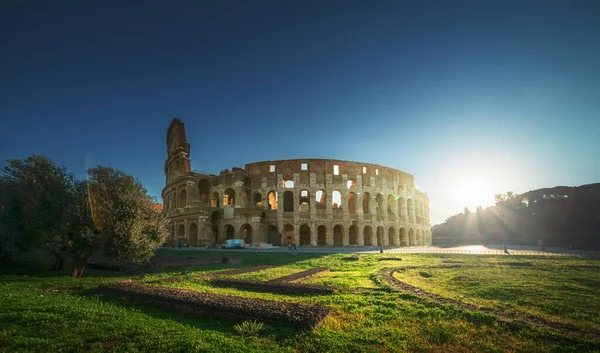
{"x": 258, "y": 246}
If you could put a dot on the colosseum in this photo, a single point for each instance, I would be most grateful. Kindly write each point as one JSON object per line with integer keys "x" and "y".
{"x": 311, "y": 202}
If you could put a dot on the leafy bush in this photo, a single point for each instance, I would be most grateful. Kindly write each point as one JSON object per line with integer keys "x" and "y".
{"x": 249, "y": 328}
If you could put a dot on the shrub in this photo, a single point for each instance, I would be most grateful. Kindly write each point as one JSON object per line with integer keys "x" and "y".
{"x": 249, "y": 328}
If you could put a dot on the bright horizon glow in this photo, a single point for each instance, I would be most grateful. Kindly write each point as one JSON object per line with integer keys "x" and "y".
{"x": 474, "y": 191}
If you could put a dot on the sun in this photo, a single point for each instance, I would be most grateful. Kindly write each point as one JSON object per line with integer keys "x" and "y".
{"x": 474, "y": 191}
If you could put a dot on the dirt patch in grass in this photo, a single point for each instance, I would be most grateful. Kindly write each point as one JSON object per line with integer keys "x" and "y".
{"x": 220, "y": 306}
{"x": 272, "y": 287}
{"x": 298, "y": 276}
{"x": 390, "y": 259}
{"x": 239, "y": 271}
{"x": 354, "y": 257}
{"x": 387, "y": 275}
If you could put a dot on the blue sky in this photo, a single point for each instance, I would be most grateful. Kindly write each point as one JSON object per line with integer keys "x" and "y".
{"x": 504, "y": 95}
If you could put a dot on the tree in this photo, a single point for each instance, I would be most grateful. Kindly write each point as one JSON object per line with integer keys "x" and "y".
{"x": 36, "y": 205}
{"x": 80, "y": 237}
{"x": 123, "y": 212}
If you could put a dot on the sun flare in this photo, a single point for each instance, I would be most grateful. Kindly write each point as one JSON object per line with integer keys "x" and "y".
{"x": 473, "y": 192}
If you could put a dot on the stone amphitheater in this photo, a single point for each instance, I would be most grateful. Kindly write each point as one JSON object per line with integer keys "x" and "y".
{"x": 310, "y": 202}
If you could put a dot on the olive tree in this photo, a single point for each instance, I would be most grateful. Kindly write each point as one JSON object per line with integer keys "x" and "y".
{"x": 124, "y": 214}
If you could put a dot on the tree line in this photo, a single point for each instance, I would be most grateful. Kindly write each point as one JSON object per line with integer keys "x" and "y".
{"x": 43, "y": 205}
{"x": 559, "y": 216}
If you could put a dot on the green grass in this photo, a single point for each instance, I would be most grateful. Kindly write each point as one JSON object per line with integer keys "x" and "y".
{"x": 45, "y": 311}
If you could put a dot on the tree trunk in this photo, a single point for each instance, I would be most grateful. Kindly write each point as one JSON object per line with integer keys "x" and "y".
{"x": 78, "y": 267}
{"x": 60, "y": 263}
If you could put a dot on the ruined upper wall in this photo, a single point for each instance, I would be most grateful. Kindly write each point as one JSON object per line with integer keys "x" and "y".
{"x": 288, "y": 167}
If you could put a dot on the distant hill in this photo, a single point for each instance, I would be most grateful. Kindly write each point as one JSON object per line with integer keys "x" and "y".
{"x": 558, "y": 216}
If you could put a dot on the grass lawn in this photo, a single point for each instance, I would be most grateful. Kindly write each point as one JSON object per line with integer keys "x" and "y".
{"x": 45, "y": 311}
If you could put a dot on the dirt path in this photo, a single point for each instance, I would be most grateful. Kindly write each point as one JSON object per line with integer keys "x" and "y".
{"x": 387, "y": 275}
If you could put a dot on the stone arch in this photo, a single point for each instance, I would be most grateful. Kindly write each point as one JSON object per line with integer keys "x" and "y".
{"x": 182, "y": 198}
{"x": 321, "y": 199}
{"x": 368, "y": 236}
{"x": 419, "y": 237}
{"x": 288, "y": 184}
{"x": 304, "y": 235}
{"x": 288, "y": 234}
{"x": 181, "y": 234}
{"x": 403, "y": 237}
{"x": 203, "y": 191}
{"x": 257, "y": 199}
{"x": 304, "y": 201}
{"x": 288, "y": 201}
{"x": 229, "y": 231}
{"x": 366, "y": 200}
{"x": 246, "y": 232}
{"x": 229, "y": 197}
{"x": 390, "y": 201}
{"x": 392, "y": 237}
{"x": 353, "y": 235}
{"x": 380, "y": 236}
{"x": 273, "y": 236}
{"x": 193, "y": 234}
{"x": 321, "y": 236}
{"x": 215, "y": 219}
{"x": 215, "y": 200}
{"x": 172, "y": 236}
{"x": 411, "y": 238}
{"x": 272, "y": 197}
{"x": 351, "y": 203}
{"x": 336, "y": 199}
{"x": 338, "y": 235}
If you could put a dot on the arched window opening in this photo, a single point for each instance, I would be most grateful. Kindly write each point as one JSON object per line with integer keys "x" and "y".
{"x": 368, "y": 236}
{"x": 182, "y": 198}
{"x": 338, "y": 235}
{"x": 288, "y": 184}
{"x": 352, "y": 234}
{"x": 304, "y": 235}
{"x": 229, "y": 231}
{"x": 392, "y": 241}
{"x": 203, "y": 190}
{"x": 257, "y": 199}
{"x": 351, "y": 203}
{"x": 229, "y": 197}
{"x": 215, "y": 219}
{"x": 272, "y": 200}
{"x": 288, "y": 234}
{"x": 181, "y": 233}
{"x": 288, "y": 201}
{"x": 321, "y": 236}
{"x": 336, "y": 199}
{"x": 193, "y": 235}
{"x": 390, "y": 200}
{"x": 321, "y": 198}
{"x": 215, "y": 200}
{"x": 366, "y": 200}
{"x": 246, "y": 232}
{"x": 304, "y": 201}
{"x": 273, "y": 236}
{"x": 351, "y": 184}
{"x": 401, "y": 207}
{"x": 411, "y": 238}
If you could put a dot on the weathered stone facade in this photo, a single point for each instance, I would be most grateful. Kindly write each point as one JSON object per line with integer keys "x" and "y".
{"x": 312, "y": 202}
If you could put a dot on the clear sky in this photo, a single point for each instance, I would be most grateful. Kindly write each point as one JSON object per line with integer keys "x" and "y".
{"x": 473, "y": 98}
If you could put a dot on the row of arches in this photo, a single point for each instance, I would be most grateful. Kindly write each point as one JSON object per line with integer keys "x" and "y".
{"x": 370, "y": 205}
{"x": 364, "y": 236}
{"x": 378, "y": 205}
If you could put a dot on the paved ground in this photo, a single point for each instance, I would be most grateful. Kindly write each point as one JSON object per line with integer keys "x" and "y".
{"x": 466, "y": 249}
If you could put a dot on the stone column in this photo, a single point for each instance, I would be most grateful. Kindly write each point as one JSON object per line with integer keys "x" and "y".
{"x": 185, "y": 224}
{"x": 360, "y": 235}
{"x": 345, "y": 236}
{"x": 329, "y": 235}
{"x": 313, "y": 233}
